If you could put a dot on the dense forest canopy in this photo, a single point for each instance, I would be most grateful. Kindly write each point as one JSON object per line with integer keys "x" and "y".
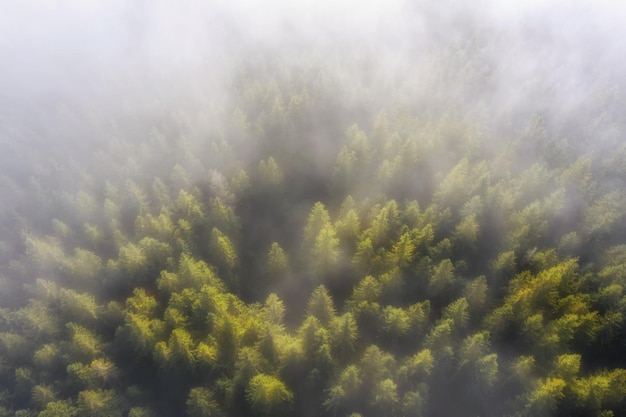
{"x": 312, "y": 209}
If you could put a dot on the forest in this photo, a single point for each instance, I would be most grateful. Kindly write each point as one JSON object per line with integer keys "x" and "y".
{"x": 416, "y": 228}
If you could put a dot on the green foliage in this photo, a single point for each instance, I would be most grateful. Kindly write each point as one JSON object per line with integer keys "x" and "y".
{"x": 42, "y": 395}
{"x": 63, "y": 408}
{"x": 384, "y": 223}
{"x": 268, "y": 394}
{"x": 315, "y": 341}
{"x": 419, "y": 366}
{"x": 140, "y": 412}
{"x": 36, "y": 321}
{"x": 270, "y": 173}
{"x": 99, "y": 403}
{"x": 458, "y": 313}
{"x": 476, "y": 294}
{"x": 274, "y": 309}
{"x": 48, "y": 357}
{"x": 223, "y": 250}
{"x": 403, "y": 251}
{"x": 442, "y": 278}
{"x": 505, "y": 263}
{"x": 488, "y": 370}
{"x": 141, "y": 303}
{"x": 348, "y": 226}
{"x": 191, "y": 273}
{"x": 567, "y": 366}
{"x": 141, "y": 332}
{"x": 318, "y": 219}
{"x": 364, "y": 258}
{"x": 224, "y": 217}
{"x": 321, "y": 305}
{"x": 83, "y": 344}
{"x": 439, "y": 339}
{"x": 201, "y": 403}
{"x": 457, "y": 187}
{"x": 325, "y": 251}
{"x": 376, "y": 365}
{"x": 344, "y": 333}
{"x": 277, "y": 263}
{"x": 396, "y": 321}
{"x": 179, "y": 352}
{"x": 467, "y": 231}
{"x": 604, "y": 213}
{"x": 455, "y": 263}
{"x": 187, "y": 207}
{"x": 363, "y": 302}
{"x": 132, "y": 259}
{"x": 83, "y": 267}
{"x": 45, "y": 253}
{"x": 80, "y": 308}
{"x": 368, "y": 290}
{"x": 544, "y": 399}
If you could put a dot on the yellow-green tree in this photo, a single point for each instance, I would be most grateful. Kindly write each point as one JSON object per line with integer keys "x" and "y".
{"x": 268, "y": 394}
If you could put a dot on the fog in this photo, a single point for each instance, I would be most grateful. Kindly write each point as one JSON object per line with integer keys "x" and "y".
{"x": 101, "y": 98}
{"x": 122, "y": 57}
